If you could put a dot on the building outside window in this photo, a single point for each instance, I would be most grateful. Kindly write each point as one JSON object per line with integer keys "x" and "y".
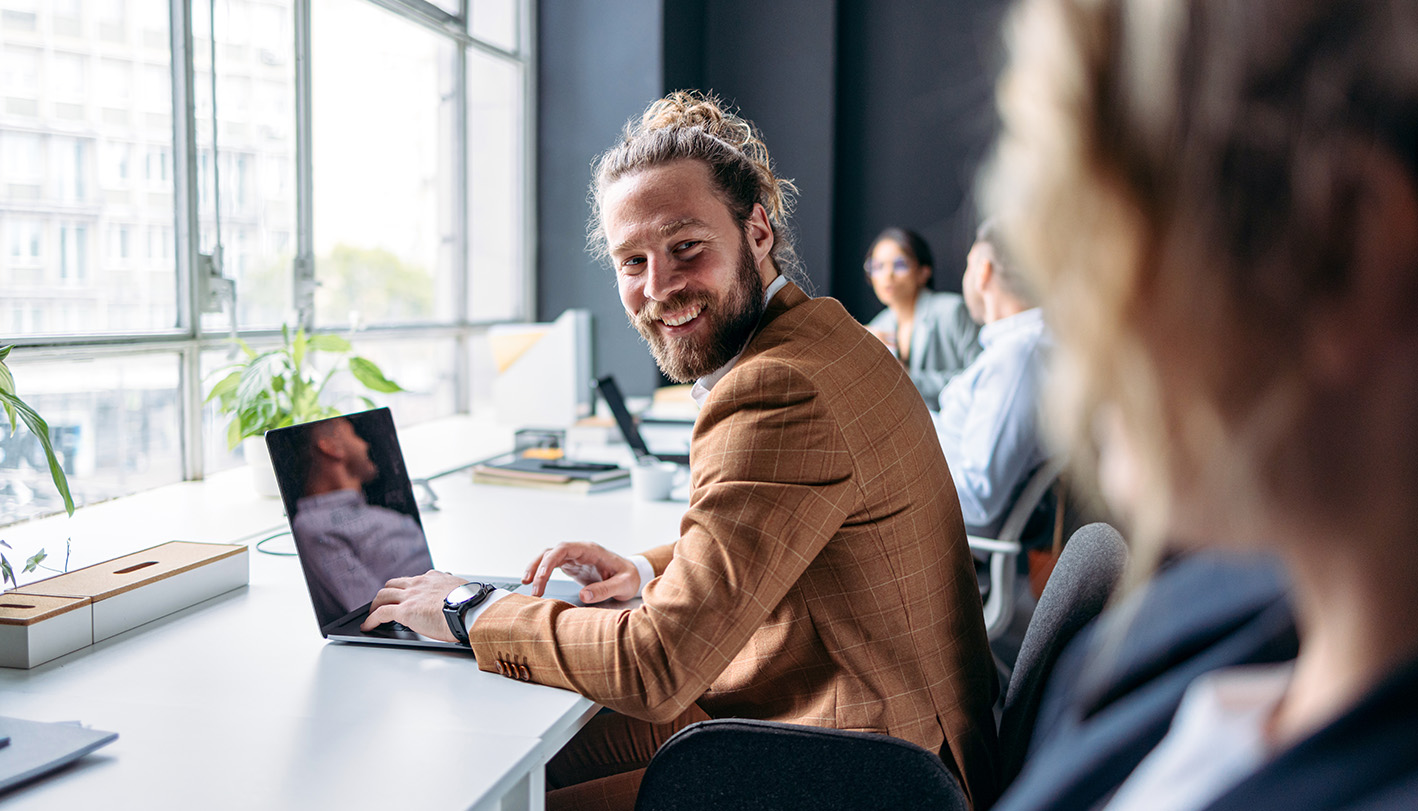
{"x": 414, "y": 229}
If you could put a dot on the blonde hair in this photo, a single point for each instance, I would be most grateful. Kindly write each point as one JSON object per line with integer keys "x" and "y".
{"x": 1180, "y": 179}
{"x": 690, "y": 125}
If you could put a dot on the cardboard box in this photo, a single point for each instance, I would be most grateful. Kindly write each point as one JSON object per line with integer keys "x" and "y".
{"x": 35, "y": 629}
{"x": 138, "y": 588}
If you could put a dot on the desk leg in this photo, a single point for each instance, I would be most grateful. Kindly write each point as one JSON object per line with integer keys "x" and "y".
{"x": 529, "y": 794}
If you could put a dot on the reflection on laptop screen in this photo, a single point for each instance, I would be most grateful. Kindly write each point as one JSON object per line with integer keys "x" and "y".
{"x": 351, "y": 508}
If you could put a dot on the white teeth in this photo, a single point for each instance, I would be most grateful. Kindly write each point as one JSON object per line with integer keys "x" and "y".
{"x": 688, "y": 316}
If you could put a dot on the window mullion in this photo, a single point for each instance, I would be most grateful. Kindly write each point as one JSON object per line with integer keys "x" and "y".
{"x": 527, "y": 31}
{"x": 184, "y": 127}
{"x": 303, "y": 271}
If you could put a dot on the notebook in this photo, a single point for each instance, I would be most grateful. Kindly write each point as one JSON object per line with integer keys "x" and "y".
{"x": 356, "y": 525}
{"x": 552, "y": 474}
{"x": 610, "y": 392}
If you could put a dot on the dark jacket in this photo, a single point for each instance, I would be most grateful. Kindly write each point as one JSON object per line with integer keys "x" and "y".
{"x": 1112, "y": 696}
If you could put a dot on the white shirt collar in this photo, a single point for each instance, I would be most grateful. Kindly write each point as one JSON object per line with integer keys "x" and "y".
{"x": 1028, "y": 321}
{"x": 701, "y": 388}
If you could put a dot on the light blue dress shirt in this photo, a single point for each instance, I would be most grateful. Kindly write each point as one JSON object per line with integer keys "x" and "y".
{"x": 988, "y": 421}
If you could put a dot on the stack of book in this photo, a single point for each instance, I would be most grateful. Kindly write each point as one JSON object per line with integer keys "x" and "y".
{"x": 553, "y": 474}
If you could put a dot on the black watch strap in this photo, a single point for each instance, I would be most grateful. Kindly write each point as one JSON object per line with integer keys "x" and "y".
{"x": 459, "y": 602}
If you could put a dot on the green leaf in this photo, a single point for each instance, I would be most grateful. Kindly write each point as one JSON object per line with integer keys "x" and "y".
{"x": 7, "y": 575}
{"x": 7, "y": 385}
{"x": 40, "y": 429}
{"x": 7, "y": 379}
{"x": 224, "y": 387}
{"x": 256, "y": 381}
{"x": 304, "y": 407}
{"x": 34, "y": 561}
{"x": 5, "y": 352}
{"x": 260, "y": 417}
{"x": 233, "y": 433}
{"x": 329, "y": 342}
{"x": 298, "y": 350}
{"x": 369, "y": 374}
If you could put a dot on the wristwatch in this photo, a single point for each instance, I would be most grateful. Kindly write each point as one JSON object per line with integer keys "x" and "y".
{"x": 459, "y": 602}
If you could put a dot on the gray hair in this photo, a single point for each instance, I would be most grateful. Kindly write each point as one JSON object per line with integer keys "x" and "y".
{"x": 1007, "y": 269}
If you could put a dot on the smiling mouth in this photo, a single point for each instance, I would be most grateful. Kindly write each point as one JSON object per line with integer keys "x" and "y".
{"x": 683, "y": 318}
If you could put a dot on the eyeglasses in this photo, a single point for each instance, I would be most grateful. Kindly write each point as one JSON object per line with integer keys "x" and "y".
{"x": 898, "y": 266}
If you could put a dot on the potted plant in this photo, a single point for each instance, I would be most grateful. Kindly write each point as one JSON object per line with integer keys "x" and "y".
{"x": 281, "y": 387}
{"x": 15, "y": 407}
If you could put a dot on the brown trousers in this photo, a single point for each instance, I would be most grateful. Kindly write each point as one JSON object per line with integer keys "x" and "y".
{"x": 601, "y": 767}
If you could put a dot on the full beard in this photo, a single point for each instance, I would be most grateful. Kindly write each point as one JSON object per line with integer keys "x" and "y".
{"x": 733, "y": 318}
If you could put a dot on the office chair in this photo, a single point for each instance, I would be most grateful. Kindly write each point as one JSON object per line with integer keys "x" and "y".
{"x": 1081, "y": 584}
{"x": 764, "y": 765}
{"x": 736, "y": 763}
{"x": 1002, "y": 552}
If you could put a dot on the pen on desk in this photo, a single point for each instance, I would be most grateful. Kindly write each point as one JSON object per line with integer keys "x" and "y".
{"x": 588, "y": 467}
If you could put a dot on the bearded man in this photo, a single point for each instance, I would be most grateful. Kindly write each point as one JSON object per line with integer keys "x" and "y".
{"x": 822, "y": 575}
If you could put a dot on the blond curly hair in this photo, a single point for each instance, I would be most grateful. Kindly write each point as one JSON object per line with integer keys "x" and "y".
{"x": 1183, "y": 179}
{"x": 691, "y": 125}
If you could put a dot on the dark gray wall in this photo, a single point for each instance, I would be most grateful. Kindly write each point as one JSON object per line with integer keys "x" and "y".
{"x": 598, "y": 64}
{"x": 774, "y": 60}
{"x": 916, "y": 116}
{"x": 880, "y": 110}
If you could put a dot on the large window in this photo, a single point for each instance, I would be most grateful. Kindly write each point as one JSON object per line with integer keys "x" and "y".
{"x": 356, "y": 166}
{"x": 385, "y": 237}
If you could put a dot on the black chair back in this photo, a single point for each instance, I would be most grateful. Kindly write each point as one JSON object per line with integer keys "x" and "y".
{"x": 761, "y": 765}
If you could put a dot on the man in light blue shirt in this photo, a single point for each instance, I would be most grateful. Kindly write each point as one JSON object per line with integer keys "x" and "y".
{"x": 988, "y": 421}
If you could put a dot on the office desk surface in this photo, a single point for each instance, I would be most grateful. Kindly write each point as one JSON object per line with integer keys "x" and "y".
{"x": 238, "y": 702}
{"x": 218, "y": 758}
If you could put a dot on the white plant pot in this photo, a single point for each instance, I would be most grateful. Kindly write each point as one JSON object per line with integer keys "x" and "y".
{"x": 263, "y": 477}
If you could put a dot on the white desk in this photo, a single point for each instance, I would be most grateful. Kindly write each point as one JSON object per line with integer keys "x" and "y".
{"x": 237, "y": 702}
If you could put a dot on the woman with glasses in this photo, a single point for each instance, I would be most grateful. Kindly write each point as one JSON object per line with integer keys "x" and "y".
{"x": 930, "y": 332}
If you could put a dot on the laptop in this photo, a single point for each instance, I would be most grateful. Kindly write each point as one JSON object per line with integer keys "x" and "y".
{"x": 610, "y": 392}
{"x": 356, "y": 525}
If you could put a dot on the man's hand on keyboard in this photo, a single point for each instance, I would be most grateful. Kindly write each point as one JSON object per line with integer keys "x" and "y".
{"x": 604, "y": 574}
{"x": 416, "y": 602}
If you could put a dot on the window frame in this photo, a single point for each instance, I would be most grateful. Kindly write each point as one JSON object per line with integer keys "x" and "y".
{"x": 188, "y": 338}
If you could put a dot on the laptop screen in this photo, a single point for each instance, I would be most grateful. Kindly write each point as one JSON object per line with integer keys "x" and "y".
{"x": 351, "y": 508}
{"x": 610, "y": 391}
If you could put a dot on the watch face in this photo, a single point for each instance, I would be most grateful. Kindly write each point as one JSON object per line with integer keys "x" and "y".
{"x": 462, "y": 594}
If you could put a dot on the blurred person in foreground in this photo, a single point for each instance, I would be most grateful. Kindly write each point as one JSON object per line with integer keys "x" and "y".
{"x": 1220, "y": 201}
{"x": 930, "y": 332}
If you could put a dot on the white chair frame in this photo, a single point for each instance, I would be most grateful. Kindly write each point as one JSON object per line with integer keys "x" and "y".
{"x": 1003, "y": 552}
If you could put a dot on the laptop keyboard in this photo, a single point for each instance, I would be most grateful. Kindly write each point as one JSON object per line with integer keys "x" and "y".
{"x": 393, "y": 630}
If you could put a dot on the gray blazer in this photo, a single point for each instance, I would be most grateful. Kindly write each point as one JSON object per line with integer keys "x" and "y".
{"x": 945, "y": 340}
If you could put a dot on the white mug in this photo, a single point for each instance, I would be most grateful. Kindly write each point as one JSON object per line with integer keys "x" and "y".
{"x": 653, "y": 481}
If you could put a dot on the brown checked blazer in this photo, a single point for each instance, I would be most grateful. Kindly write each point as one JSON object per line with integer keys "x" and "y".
{"x": 821, "y": 575}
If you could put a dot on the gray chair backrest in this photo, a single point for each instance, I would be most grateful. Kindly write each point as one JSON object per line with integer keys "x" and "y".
{"x": 1087, "y": 571}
